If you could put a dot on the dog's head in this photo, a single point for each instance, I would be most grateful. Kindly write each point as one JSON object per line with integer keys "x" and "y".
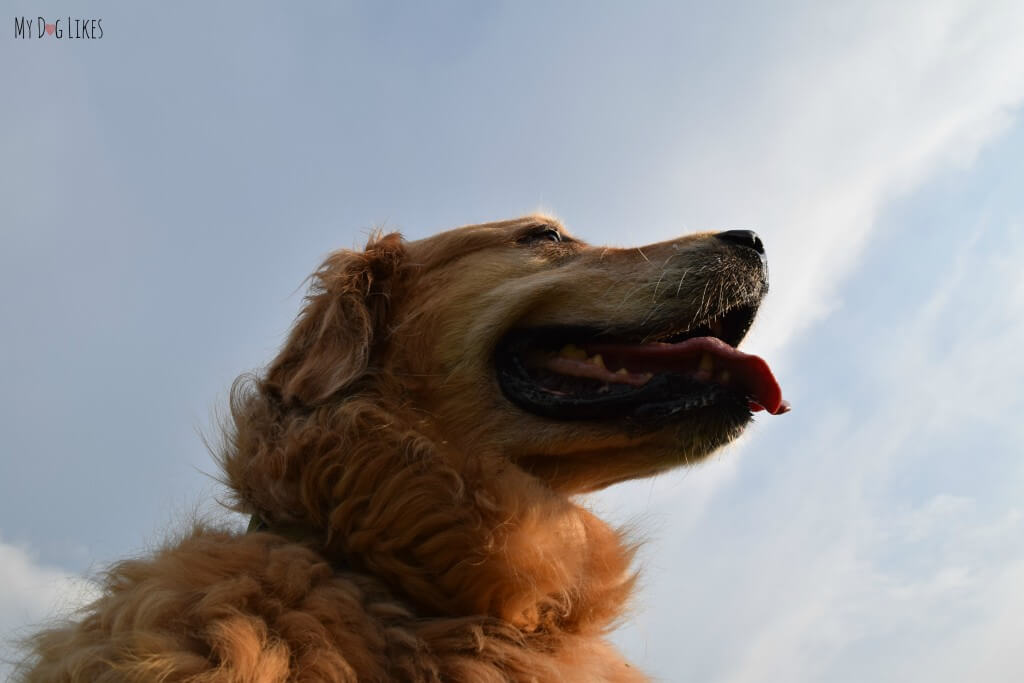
{"x": 582, "y": 365}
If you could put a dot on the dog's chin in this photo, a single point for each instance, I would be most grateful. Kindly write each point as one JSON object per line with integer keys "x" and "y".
{"x": 593, "y": 459}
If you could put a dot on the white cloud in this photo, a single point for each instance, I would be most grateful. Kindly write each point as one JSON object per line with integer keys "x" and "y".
{"x": 842, "y": 126}
{"x": 836, "y": 553}
{"x": 866, "y": 563}
{"x": 32, "y": 593}
{"x": 850, "y": 577}
{"x": 865, "y": 103}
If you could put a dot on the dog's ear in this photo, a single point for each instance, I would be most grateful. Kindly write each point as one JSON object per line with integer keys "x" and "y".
{"x": 345, "y": 311}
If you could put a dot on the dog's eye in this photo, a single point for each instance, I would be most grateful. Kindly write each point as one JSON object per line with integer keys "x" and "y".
{"x": 541, "y": 235}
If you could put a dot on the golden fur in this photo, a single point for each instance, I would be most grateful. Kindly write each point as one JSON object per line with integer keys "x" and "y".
{"x": 421, "y": 527}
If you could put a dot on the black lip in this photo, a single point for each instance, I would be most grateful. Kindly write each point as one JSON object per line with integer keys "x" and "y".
{"x": 661, "y": 399}
{"x": 665, "y": 397}
{"x": 734, "y": 325}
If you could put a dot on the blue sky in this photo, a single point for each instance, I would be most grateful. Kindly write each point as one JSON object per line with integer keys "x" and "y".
{"x": 167, "y": 188}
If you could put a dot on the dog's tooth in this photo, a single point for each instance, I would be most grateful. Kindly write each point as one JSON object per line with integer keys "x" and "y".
{"x": 705, "y": 370}
{"x": 597, "y": 360}
{"x": 622, "y": 371}
{"x": 572, "y": 351}
{"x": 724, "y": 376}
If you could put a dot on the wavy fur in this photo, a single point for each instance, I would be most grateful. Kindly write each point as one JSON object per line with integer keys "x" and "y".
{"x": 427, "y": 549}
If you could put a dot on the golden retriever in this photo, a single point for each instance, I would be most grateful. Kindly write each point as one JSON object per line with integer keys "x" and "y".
{"x": 410, "y": 457}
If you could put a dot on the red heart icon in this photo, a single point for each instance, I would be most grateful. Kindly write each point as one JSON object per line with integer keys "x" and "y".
{"x": 50, "y": 28}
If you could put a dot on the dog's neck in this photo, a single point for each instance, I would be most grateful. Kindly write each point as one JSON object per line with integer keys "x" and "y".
{"x": 457, "y": 534}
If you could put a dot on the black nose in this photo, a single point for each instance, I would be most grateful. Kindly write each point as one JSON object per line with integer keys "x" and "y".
{"x": 744, "y": 238}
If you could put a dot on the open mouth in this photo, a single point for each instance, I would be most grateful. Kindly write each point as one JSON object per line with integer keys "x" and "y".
{"x": 578, "y": 373}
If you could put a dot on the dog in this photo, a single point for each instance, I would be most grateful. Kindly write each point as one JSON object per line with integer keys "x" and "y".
{"x": 410, "y": 459}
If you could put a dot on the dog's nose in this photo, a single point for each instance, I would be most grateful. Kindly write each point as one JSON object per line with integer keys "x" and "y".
{"x": 743, "y": 238}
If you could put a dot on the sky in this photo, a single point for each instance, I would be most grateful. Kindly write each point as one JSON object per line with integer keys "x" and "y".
{"x": 166, "y": 188}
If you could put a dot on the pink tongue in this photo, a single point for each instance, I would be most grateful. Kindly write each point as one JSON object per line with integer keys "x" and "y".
{"x": 749, "y": 372}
